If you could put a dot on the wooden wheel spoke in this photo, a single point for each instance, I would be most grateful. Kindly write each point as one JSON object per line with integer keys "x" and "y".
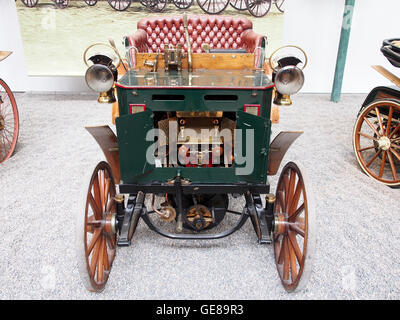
{"x": 111, "y": 241}
{"x": 277, "y": 246}
{"x": 93, "y": 204}
{"x": 93, "y": 241}
{"x": 392, "y": 166}
{"x": 378, "y": 115}
{"x": 292, "y": 182}
{"x": 371, "y": 126}
{"x": 367, "y": 136}
{"x": 286, "y": 185}
{"x": 394, "y": 131}
{"x": 282, "y": 252}
{"x": 93, "y": 261}
{"x": 100, "y": 261}
{"x": 102, "y": 188}
{"x": 296, "y": 248}
{"x": 295, "y": 228}
{"x": 105, "y": 260}
{"x": 389, "y": 123}
{"x": 281, "y": 201}
{"x": 97, "y": 195}
{"x": 382, "y": 168}
{"x": 395, "y": 153}
{"x": 395, "y": 145}
{"x": 286, "y": 263}
{"x": 373, "y": 158}
{"x": 107, "y": 194}
{"x": 365, "y": 149}
{"x": 296, "y": 198}
{"x": 297, "y": 213}
{"x": 293, "y": 265}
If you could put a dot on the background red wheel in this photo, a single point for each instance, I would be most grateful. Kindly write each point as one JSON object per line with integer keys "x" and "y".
{"x": 259, "y": 8}
{"x": 213, "y": 6}
{"x": 97, "y": 243}
{"x": 293, "y": 218}
{"x": 62, "y": 4}
{"x": 30, "y": 3}
{"x": 120, "y": 5}
{"x": 91, "y": 2}
{"x": 376, "y": 141}
{"x": 9, "y": 122}
{"x": 156, "y": 5}
{"x": 240, "y": 5}
{"x": 183, "y": 4}
{"x": 280, "y": 5}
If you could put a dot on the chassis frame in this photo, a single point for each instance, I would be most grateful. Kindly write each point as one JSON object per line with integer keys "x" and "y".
{"x": 261, "y": 217}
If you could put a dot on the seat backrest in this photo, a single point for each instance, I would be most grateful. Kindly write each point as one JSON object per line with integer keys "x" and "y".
{"x": 220, "y": 32}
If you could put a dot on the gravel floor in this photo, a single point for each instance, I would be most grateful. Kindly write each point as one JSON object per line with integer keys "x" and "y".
{"x": 357, "y": 255}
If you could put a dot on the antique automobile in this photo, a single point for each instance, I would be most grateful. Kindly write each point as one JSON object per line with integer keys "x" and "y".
{"x": 9, "y": 119}
{"x": 376, "y": 134}
{"x": 193, "y": 135}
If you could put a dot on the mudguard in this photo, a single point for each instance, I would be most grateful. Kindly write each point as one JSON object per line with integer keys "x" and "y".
{"x": 278, "y": 149}
{"x": 108, "y": 143}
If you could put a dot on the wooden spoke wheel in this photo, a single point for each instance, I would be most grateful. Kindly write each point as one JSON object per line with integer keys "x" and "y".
{"x": 62, "y": 4}
{"x": 183, "y": 4}
{"x": 97, "y": 243}
{"x": 9, "y": 122}
{"x": 213, "y": 6}
{"x": 91, "y": 2}
{"x": 259, "y": 8}
{"x": 293, "y": 218}
{"x": 376, "y": 141}
{"x": 30, "y": 3}
{"x": 156, "y": 5}
{"x": 280, "y": 5}
{"x": 120, "y": 5}
{"x": 240, "y": 5}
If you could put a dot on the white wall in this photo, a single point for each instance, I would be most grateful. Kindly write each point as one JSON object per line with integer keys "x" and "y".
{"x": 13, "y": 70}
{"x": 315, "y": 25}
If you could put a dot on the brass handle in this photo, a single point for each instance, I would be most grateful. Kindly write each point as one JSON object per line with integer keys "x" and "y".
{"x": 288, "y": 46}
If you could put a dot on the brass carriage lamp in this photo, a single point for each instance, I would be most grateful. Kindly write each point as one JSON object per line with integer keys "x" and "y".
{"x": 287, "y": 75}
{"x": 102, "y": 71}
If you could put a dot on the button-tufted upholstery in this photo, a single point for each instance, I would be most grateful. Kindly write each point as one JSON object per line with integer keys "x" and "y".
{"x": 220, "y": 32}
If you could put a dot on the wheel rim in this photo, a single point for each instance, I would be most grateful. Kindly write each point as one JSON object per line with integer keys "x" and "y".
{"x": 9, "y": 122}
{"x": 62, "y": 4}
{"x": 213, "y": 6}
{"x": 259, "y": 8}
{"x": 91, "y": 2}
{"x": 30, "y": 3}
{"x": 99, "y": 227}
{"x": 291, "y": 225}
{"x": 183, "y": 4}
{"x": 239, "y": 4}
{"x": 280, "y": 5}
{"x": 156, "y": 5}
{"x": 119, "y": 5}
{"x": 376, "y": 141}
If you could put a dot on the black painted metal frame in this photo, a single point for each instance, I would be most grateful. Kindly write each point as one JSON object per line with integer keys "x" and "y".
{"x": 128, "y": 217}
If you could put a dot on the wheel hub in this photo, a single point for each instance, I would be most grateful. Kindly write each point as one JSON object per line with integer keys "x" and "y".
{"x": 384, "y": 143}
{"x": 281, "y": 224}
{"x": 110, "y": 223}
{"x": 2, "y": 123}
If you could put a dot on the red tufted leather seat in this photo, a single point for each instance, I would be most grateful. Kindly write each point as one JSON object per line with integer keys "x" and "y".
{"x": 220, "y": 32}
